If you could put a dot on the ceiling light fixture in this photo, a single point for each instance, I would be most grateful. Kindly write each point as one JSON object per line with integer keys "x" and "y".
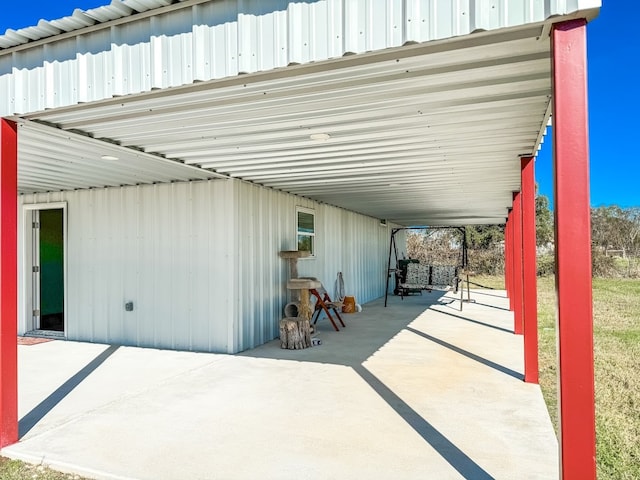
{"x": 109, "y": 157}
{"x": 320, "y": 137}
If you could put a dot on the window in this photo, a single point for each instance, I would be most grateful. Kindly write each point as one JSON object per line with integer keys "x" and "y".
{"x": 306, "y": 229}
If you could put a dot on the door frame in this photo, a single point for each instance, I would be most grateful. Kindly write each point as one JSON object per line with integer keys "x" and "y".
{"x": 27, "y": 262}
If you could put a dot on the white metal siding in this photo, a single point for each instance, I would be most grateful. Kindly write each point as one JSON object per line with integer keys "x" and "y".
{"x": 200, "y": 262}
{"x": 346, "y": 242}
{"x": 168, "y": 248}
{"x": 223, "y": 38}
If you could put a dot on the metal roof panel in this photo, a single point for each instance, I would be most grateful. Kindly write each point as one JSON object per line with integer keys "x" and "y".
{"x": 415, "y": 111}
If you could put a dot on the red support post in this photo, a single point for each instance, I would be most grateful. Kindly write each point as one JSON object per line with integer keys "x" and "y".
{"x": 529, "y": 271}
{"x": 573, "y": 251}
{"x": 508, "y": 258}
{"x": 517, "y": 264}
{"x": 8, "y": 283}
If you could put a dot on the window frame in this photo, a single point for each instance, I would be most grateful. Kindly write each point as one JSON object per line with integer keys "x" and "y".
{"x": 299, "y": 233}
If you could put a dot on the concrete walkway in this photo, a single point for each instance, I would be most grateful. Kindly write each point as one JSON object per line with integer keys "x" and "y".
{"x": 417, "y": 390}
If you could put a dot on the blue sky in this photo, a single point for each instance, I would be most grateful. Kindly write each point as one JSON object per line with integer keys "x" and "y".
{"x": 614, "y": 96}
{"x": 613, "y": 50}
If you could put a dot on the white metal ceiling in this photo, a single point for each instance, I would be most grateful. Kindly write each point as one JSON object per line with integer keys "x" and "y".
{"x": 51, "y": 159}
{"x": 427, "y": 134}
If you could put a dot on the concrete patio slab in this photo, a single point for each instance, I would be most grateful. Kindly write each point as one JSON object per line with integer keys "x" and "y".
{"x": 415, "y": 390}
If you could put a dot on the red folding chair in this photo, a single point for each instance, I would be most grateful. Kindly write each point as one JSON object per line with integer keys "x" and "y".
{"x": 324, "y": 303}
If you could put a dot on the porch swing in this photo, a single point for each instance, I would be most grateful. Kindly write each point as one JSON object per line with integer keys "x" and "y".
{"x": 412, "y": 277}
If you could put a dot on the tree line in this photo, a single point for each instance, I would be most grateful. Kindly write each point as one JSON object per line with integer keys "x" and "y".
{"x": 615, "y": 239}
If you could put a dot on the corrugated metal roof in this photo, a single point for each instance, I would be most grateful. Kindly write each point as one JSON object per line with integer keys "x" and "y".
{"x": 421, "y": 131}
{"x": 80, "y": 19}
{"x": 117, "y": 50}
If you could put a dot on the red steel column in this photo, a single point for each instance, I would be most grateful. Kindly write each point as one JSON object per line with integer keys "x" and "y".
{"x": 8, "y": 283}
{"x": 508, "y": 258}
{"x": 506, "y": 255}
{"x": 517, "y": 264}
{"x": 573, "y": 251}
{"x": 530, "y": 297}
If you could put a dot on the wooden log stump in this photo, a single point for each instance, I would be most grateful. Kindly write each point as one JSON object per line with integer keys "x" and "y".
{"x": 295, "y": 333}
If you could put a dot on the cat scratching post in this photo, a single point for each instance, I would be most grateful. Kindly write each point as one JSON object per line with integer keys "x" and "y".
{"x": 292, "y": 257}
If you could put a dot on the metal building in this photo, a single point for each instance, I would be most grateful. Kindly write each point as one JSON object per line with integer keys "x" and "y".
{"x": 158, "y": 154}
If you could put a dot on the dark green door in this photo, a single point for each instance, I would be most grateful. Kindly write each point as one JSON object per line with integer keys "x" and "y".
{"x": 51, "y": 269}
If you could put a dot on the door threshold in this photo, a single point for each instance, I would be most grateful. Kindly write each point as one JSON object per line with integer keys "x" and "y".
{"x": 46, "y": 334}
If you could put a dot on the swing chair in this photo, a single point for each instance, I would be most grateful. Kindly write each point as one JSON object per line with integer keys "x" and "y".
{"x": 413, "y": 277}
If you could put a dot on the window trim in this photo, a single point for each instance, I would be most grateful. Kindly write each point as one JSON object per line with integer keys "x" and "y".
{"x": 312, "y": 212}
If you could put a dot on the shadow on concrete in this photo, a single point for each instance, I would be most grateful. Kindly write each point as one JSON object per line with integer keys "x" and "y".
{"x": 492, "y": 306}
{"x": 468, "y": 354}
{"x": 31, "y": 419}
{"x": 452, "y": 454}
{"x": 467, "y": 300}
{"x": 364, "y": 335}
{"x": 477, "y": 322}
{"x": 478, "y": 292}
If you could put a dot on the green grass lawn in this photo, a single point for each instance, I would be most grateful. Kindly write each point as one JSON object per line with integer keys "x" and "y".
{"x": 616, "y": 338}
{"x": 16, "y": 470}
{"x": 616, "y": 324}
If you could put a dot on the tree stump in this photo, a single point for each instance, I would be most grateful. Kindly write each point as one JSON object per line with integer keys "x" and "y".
{"x": 295, "y": 333}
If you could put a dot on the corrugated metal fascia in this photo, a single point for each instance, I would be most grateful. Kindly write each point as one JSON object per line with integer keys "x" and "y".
{"x": 168, "y": 48}
{"x": 442, "y": 17}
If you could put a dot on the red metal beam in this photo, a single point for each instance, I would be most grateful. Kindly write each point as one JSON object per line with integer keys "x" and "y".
{"x": 529, "y": 274}
{"x": 573, "y": 251}
{"x": 517, "y": 264}
{"x": 8, "y": 283}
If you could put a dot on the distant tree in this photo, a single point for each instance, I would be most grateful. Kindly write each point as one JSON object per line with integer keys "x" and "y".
{"x": 488, "y": 236}
{"x": 484, "y": 236}
{"x": 633, "y": 215}
{"x": 613, "y": 228}
{"x": 435, "y": 247}
{"x": 616, "y": 228}
{"x": 544, "y": 221}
